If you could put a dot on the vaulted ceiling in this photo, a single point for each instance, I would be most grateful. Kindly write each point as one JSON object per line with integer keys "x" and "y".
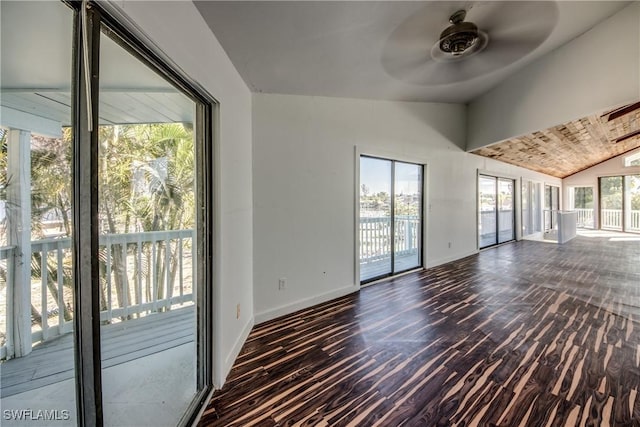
{"x": 383, "y": 49}
{"x": 572, "y": 147}
{"x": 380, "y": 50}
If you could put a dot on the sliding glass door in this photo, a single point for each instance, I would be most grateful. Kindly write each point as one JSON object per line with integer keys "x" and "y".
{"x": 611, "y": 196}
{"x": 632, "y": 203}
{"x": 488, "y": 215}
{"x": 551, "y": 206}
{"x": 37, "y": 294}
{"x": 390, "y": 230}
{"x": 147, "y": 219}
{"x": 496, "y": 216}
{"x": 620, "y": 203}
{"x": 105, "y": 188}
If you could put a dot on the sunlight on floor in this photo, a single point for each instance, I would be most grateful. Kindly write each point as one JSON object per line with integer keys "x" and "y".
{"x": 614, "y": 236}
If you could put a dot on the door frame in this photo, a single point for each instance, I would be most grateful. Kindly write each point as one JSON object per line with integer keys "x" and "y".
{"x": 85, "y": 209}
{"x": 516, "y": 203}
{"x": 362, "y": 151}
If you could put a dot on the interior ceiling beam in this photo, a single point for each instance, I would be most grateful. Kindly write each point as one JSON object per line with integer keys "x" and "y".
{"x": 623, "y": 111}
{"x": 628, "y": 136}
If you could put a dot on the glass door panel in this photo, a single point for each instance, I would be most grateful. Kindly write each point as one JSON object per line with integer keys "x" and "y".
{"x": 487, "y": 188}
{"x": 407, "y": 207}
{"x": 526, "y": 215}
{"x": 632, "y": 203}
{"x": 148, "y": 263}
{"x": 506, "y": 230}
{"x": 37, "y": 307}
{"x": 581, "y": 201}
{"x": 611, "y": 192}
{"x": 536, "y": 207}
{"x": 551, "y": 206}
{"x": 375, "y": 218}
{"x": 547, "y": 208}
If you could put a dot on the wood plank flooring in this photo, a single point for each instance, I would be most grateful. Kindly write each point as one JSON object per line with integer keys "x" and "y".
{"x": 526, "y": 334}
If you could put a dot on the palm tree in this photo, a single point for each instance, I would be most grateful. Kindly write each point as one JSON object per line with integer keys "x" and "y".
{"x": 146, "y": 184}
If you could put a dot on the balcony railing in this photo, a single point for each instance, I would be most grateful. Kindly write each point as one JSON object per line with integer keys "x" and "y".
{"x": 375, "y": 237}
{"x": 375, "y": 245}
{"x": 585, "y": 218}
{"x": 613, "y": 219}
{"x": 141, "y": 273}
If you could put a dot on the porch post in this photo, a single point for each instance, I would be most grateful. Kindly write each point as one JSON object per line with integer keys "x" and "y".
{"x": 19, "y": 233}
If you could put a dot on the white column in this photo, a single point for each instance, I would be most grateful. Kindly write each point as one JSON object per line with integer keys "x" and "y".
{"x": 19, "y": 229}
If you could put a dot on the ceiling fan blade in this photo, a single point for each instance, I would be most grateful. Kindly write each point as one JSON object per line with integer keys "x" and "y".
{"x": 514, "y": 30}
{"x": 513, "y": 17}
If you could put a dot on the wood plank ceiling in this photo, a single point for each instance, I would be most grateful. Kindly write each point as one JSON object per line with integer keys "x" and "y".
{"x": 572, "y": 147}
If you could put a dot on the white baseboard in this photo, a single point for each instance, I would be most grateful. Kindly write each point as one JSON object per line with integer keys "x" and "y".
{"x": 304, "y": 303}
{"x": 440, "y": 261}
{"x": 235, "y": 351}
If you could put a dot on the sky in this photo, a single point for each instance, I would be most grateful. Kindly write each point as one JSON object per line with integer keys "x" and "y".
{"x": 376, "y": 175}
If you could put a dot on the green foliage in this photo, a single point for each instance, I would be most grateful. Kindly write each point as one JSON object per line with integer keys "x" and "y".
{"x": 583, "y": 197}
{"x": 146, "y": 178}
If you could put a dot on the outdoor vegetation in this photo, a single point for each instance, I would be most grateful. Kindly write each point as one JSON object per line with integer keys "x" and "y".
{"x": 146, "y": 184}
{"x": 380, "y": 203}
{"x": 611, "y": 192}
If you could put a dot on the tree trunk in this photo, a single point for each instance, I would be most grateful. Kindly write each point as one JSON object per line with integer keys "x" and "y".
{"x": 117, "y": 265}
{"x": 52, "y": 282}
{"x": 65, "y": 217}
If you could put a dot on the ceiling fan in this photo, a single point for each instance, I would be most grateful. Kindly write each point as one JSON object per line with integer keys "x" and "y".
{"x": 481, "y": 38}
{"x": 460, "y": 40}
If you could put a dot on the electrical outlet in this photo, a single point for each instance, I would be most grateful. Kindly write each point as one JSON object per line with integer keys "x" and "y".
{"x": 282, "y": 284}
{"x": 238, "y": 311}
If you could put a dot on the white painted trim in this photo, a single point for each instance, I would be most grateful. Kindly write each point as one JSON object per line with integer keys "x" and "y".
{"x": 440, "y": 261}
{"x": 516, "y": 203}
{"x": 356, "y": 218}
{"x": 15, "y": 119}
{"x": 235, "y": 351}
{"x": 304, "y": 303}
{"x": 497, "y": 174}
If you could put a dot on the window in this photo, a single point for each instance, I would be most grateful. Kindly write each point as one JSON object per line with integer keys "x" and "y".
{"x": 581, "y": 201}
{"x": 632, "y": 160}
{"x": 390, "y": 230}
{"x": 107, "y": 185}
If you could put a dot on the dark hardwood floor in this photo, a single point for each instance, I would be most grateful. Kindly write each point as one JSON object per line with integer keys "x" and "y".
{"x": 526, "y": 334}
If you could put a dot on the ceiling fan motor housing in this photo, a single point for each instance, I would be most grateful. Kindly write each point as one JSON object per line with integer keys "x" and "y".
{"x": 459, "y": 36}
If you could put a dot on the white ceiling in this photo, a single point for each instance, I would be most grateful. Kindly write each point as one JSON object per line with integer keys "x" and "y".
{"x": 353, "y": 48}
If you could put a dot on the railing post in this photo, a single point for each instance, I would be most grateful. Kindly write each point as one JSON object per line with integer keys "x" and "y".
{"x": 19, "y": 232}
{"x": 8, "y": 254}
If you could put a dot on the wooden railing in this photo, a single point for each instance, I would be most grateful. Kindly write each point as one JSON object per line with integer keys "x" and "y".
{"x": 634, "y": 223}
{"x": 153, "y": 272}
{"x": 375, "y": 236}
{"x": 613, "y": 219}
{"x": 7, "y": 255}
{"x": 585, "y": 218}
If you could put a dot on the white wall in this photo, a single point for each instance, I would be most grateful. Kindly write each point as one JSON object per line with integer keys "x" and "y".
{"x": 598, "y": 70}
{"x": 180, "y": 32}
{"x": 589, "y": 178}
{"x": 304, "y": 167}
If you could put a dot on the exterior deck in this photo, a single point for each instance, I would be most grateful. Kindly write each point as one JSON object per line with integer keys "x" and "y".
{"x": 51, "y": 362}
